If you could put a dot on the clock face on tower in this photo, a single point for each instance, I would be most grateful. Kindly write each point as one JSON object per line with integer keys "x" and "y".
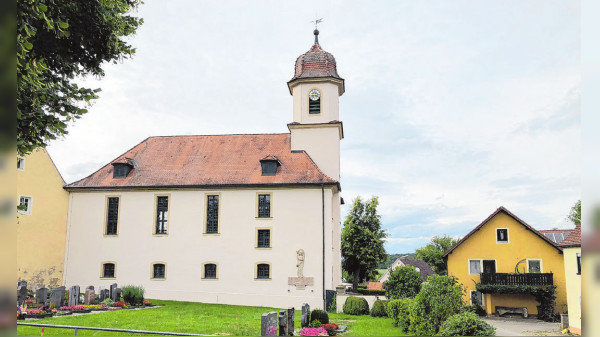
{"x": 314, "y": 95}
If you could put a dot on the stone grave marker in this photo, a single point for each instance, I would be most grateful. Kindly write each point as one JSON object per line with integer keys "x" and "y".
{"x": 282, "y": 320}
{"x": 90, "y": 295}
{"x": 90, "y": 287}
{"x": 74, "y": 295}
{"x": 305, "y": 315}
{"x": 57, "y": 296}
{"x": 268, "y": 324}
{"x": 118, "y": 294}
{"x": 41, "y": 295}
{"x": 113, "y": 292}
{"x": 21, "y": 292}
{"x": 290, "y": 320}
{"x": 106, "y": 293}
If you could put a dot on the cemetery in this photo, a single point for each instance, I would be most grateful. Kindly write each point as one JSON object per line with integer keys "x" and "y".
{"x": 61, "y": 306}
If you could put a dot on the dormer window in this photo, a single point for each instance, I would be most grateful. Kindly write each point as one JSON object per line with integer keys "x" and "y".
{"x": 314, "y": 102}
{"x": 269, "y": 165}
{"x": 121, "y": 170}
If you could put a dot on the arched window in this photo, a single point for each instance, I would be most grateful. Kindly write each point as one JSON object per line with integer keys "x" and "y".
{"x": 210, "y": 271}
{"x": 109, "y": 270}
{"x": 263, "y": 271}
{"x": 159, "y": 271}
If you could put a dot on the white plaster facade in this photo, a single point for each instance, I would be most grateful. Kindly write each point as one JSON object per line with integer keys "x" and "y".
{"x": 304, "y": 216}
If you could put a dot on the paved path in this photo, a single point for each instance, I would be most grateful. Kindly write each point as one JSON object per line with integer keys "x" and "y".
{"x": 515, "y": 326}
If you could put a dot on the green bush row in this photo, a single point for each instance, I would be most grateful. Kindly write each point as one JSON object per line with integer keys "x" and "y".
{"x": 356, "y": 306}
{"x": 379, "y": 309}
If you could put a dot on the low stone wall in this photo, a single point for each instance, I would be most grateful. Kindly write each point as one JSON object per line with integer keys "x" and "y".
{"x": 341, "y": 299}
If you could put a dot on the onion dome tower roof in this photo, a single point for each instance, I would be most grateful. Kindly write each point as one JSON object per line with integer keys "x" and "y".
{"x": 316, "y": 64}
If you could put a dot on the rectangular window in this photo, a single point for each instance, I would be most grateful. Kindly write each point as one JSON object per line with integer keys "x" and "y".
{"x": 502, "y": 235}
{"x": 108, "y": 270}
{"x": 578, "y": 264}
{"x": 210, "y": 271}
{"x": 112, "y": 216}
{"x": 162, "y": 214}
{"x": 269, "y": 167}
{"x": 212, "y": 214}
{"x": 20, "y": 164}
{"x": 534, "y": 266}
{"x": 264, "y": 205}
{"x": 25, "y": 205}
{"x": 474, "y": 267}
{"x": 263, "y": 271}
{"x": 476, "y": 298}
{"x": 158, "y": 271}
{"x": 264, "y": 238}
{"x": 489, "y": 266}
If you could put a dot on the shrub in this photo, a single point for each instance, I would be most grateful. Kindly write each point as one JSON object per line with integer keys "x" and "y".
{"x": 399, "y": 312}
{"x": 108, "y": 302}
{"x": 466, "y": 324}
{"x": 320, "y": 315}
{"x": 440, "y": 297}
{"x": 476, "y": 309}
{"x": 404, "y": 282}
{"x": 133, "y": 295}
{"x": 378, "y": 309}
{"x": 356, "y": 306}
{"x": 315, "y": 324}
{"x": 330, "y": 328}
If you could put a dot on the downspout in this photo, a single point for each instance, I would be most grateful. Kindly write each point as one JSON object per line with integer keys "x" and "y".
{"x": 323, "y": 213}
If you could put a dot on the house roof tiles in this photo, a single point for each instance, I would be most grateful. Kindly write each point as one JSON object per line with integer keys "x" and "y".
{"x": 218, "y": 160}
{"x": 574, "y": 239}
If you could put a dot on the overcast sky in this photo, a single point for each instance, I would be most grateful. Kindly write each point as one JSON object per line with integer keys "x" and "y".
{"x": 452, "y": 108}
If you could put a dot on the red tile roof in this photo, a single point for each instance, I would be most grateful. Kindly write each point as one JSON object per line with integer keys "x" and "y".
{"x": 220, "y": 160}
{"x": 375, "y": 286}
{"x": 502, "y": 209}
{"x": 574, "y": 239}
{"x": 315, "y": 63}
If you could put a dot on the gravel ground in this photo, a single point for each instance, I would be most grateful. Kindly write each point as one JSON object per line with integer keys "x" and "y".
{"x": 516, "y": 326}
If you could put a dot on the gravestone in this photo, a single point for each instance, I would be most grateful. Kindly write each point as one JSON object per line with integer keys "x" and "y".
{"x": 282, "y": 323}
{"x": 21, "y": 292}
{"x": 41, "y": 295}
{"x": 90, "y": 295}
{"x": 57, "y": 296}
{"x": 106, "y": 293}
{"x": 118, "y": 294}
{"x": 305, "y": 315}
{"x": 89, "y": 287}
{"x": 268, "y": 324}
{"x": 113, "y": 292}
{"x": 290, "y": 318}
{"x": 74, "y": 295}
{"x": 101, "y": 296}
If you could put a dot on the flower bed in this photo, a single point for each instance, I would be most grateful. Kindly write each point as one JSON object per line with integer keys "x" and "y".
{"x": 96, "y": 307}
{"x": 313, "y": 332}
{"x": 76, "y": 309}
{"x": 121, "y": 304}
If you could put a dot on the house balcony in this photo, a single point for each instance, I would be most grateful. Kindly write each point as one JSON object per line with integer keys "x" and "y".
{"x": 529, "y": 279}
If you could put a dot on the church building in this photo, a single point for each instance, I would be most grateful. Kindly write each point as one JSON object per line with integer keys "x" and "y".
{"x": 245, "y": 219}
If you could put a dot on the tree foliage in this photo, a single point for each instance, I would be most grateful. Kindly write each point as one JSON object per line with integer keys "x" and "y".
{"x": 404, "y": 282}
{"x": 362, "y": 240}
{"x": 575, "y": 213}
{"x": 58, "y": 41}
{"x": 434, "y": 251}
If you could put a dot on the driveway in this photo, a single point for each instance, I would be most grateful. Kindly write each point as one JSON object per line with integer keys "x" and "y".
{"x": 515, "y": 326}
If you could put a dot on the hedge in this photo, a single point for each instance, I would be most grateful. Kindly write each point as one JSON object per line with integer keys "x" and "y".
{"x": 356, "y": 306}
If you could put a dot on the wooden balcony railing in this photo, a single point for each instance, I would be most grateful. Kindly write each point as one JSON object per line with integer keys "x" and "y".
{"x": 529, "y": 279}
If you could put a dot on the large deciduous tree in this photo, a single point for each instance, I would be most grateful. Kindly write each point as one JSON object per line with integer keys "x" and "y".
{"x": 434, "y": 251}
{"x": 58, "y": 41}
{"x": 575, "y": 213}
{"x": 362, "y": 240}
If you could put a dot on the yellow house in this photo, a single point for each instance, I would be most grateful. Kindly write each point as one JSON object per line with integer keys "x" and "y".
{"x": 572, "y": 253}
{"x": 505, "y": 250}
{"x": 41, "y": 220}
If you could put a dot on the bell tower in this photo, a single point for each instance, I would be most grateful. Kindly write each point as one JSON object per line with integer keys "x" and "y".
{"x": 316, "y": 127}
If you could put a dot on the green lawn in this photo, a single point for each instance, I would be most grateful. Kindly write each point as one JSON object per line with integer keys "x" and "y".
{"x": 197, "y": 318}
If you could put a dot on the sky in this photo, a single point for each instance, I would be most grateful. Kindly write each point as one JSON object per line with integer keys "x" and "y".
{"x": 451, "y": 109}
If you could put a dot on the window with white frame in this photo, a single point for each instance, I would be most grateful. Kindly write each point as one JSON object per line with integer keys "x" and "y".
{"x": 21, "y": 164}
{"x": 479, "y": 266}
{"x": 25, "y": 204}
{"x": 501, "y": 235}
{"x": 534, "y": 266}
{"x": 476, "y": 298}
{"x": 474, "y": 267}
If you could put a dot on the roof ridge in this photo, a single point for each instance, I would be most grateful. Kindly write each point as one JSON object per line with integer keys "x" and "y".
{"x": 224, "y": 134}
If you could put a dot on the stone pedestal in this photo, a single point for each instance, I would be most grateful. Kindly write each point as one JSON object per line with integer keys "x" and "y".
{"x": 301, "y": 282}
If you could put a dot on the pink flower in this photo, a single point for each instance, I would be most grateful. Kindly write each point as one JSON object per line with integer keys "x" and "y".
{"x": 313, "y": 332}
